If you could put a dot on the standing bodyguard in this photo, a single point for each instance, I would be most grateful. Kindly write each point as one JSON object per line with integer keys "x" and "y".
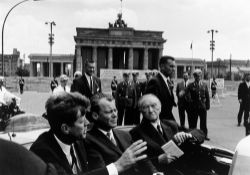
{"x": 162, "y": 86}
{"x": 244, "y": 99}
{"x": 183, "y": 105}
{"x": 198, "y": 97}
{"x": 124, "y": 101}
{"x": 88, "y": 84}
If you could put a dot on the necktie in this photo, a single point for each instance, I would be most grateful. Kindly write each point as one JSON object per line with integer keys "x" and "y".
{"x": 159, "y": 130}
{"x": 74, "y": 167}
{"x": 170, "y": 87}
{"x": 91, "y": 84}
{"x": 111, "y": 138}
{"x": 64, "y": 88}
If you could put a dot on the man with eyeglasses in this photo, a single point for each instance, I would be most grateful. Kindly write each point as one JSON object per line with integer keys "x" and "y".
{"x": 157, "y": 132}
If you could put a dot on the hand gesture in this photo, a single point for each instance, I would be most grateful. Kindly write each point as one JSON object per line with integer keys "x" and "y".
{"x": 131, "y": 155}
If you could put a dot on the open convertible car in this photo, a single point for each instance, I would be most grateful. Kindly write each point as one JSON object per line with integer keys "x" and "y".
{"x": 25, "y": 128}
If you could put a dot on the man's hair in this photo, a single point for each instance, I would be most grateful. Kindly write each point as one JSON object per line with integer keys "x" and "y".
{"x": 164, "y": 59}
{"x": 88, "y": 62}
{"x": 141, "y": 100}
{"x": 95, "y": 101}
{"x": 63, "y": 108}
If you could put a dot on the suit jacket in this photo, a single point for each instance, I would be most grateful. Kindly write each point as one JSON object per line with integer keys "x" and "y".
{"x": 148, "y": 133}
{"x": 158, "y": 87}
{"x": 15, "y": 159}
{"x": 244, "y": 93}
{"x": 48, "y": 149}
{"x": 81, "y": 85}
{"x": 101, "y": 151}
{"x": 198, "y": 96}
{"x": 179, "y": 89}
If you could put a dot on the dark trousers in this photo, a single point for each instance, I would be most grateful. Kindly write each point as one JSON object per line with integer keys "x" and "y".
{"x": 21, "y": 89}
{"x": 182, "y": 108}
{"x": 243, "y": 108}
{"x": 136, "y": 116}
{"x": 129, "y": 116}
{"x": 121, "y": 112}
{"x": 202, "y": 114}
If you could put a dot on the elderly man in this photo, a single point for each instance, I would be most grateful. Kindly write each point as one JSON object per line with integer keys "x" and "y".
{"x": 157, "y": 132}
{"x": 63, "y": 144}
{"x": 198, "y": 97}
{"x": 63, "y": 87}
{"x": 162, "y": 86}
{"x": 105, "y": 144}
{"x": 88, "y": 84}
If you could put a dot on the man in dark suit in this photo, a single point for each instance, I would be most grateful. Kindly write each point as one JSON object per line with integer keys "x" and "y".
{"x": 183, "y": 105}
{"x": 145, "y": 83}
{"x": 136, "y": 85}
{"x": 198, "y": 97}
{"x": 16, "y": 160}
{"x": 162, "y": 86}
{"x": 124, "y": 100}
{"x": 244, "y": 99}
{"x": 105, "y": 144}
{"x": 157, "y": 132}
{"x": 63, "y": 145}
{"x": 87, "y": 84}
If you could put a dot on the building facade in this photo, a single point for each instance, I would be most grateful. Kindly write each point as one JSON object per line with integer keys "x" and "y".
{"x": 10, "y": 63}
{"x": 118, "y": 47}
{"x": 61, "y": 64}
{"x": 188, "y": 65}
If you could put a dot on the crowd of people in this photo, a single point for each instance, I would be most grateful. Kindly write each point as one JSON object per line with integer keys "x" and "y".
{"x": 83, "y": 135}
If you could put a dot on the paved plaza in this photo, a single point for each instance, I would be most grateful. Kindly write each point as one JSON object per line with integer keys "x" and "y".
{"x": 222, "y": 123}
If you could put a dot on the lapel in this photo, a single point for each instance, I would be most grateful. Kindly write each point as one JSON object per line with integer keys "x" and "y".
{"x": 86, "y": 84}
{"x": 59, "y": 152}
{"x": 82, "y": 155}
{"x": 104, "y": 139}
{"x": 164, "y": 87}
{"x": 151, "y": 135}
{"x": 167, "y": 131}
{"x": 120, "y": 140}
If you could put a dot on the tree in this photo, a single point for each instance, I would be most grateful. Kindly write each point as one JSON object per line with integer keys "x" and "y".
{"x": 22, "y": 72}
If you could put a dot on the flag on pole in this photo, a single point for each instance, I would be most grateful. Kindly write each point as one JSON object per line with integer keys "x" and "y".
{"x": 191, "y": 46}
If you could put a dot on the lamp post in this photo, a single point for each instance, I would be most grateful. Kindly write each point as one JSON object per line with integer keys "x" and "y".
{"x": 212, "y": 31}
{"x": 3, "y": 31}
{"x": 51, "y": 42}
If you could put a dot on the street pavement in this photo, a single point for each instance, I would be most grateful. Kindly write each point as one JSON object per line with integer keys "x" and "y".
{"x": 222, "y": 119}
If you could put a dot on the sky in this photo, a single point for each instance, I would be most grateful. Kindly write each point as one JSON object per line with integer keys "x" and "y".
{"x": 182, "y": 21}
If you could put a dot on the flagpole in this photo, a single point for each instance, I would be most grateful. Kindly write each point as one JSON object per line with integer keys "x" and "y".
{"x": 192, "y": 58}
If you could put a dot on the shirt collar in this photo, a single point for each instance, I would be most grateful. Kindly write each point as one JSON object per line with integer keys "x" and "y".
{"x": 164, "y": 78}
{"x": 65, "y": 147}
{"x": 155, "y": 124}
{"x": 105, "y": 132}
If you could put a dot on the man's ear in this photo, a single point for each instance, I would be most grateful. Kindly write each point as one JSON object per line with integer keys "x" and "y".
{"x": 65, "y": 128}
{"x": 95, "y": 116}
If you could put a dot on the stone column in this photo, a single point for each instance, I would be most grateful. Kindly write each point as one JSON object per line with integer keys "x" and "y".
{"x": 110, "y": 58}
{"x": 94, "y": 58}
{"x": 145, "y": 59}
{"x": 41, "y": 69}
{"x": 31, "y": 69}
{"x": 61, "y": 68}
{"x": 130, "y": 58}
{"x": 185, "y": 68}
{"x": 78, "y": 59}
